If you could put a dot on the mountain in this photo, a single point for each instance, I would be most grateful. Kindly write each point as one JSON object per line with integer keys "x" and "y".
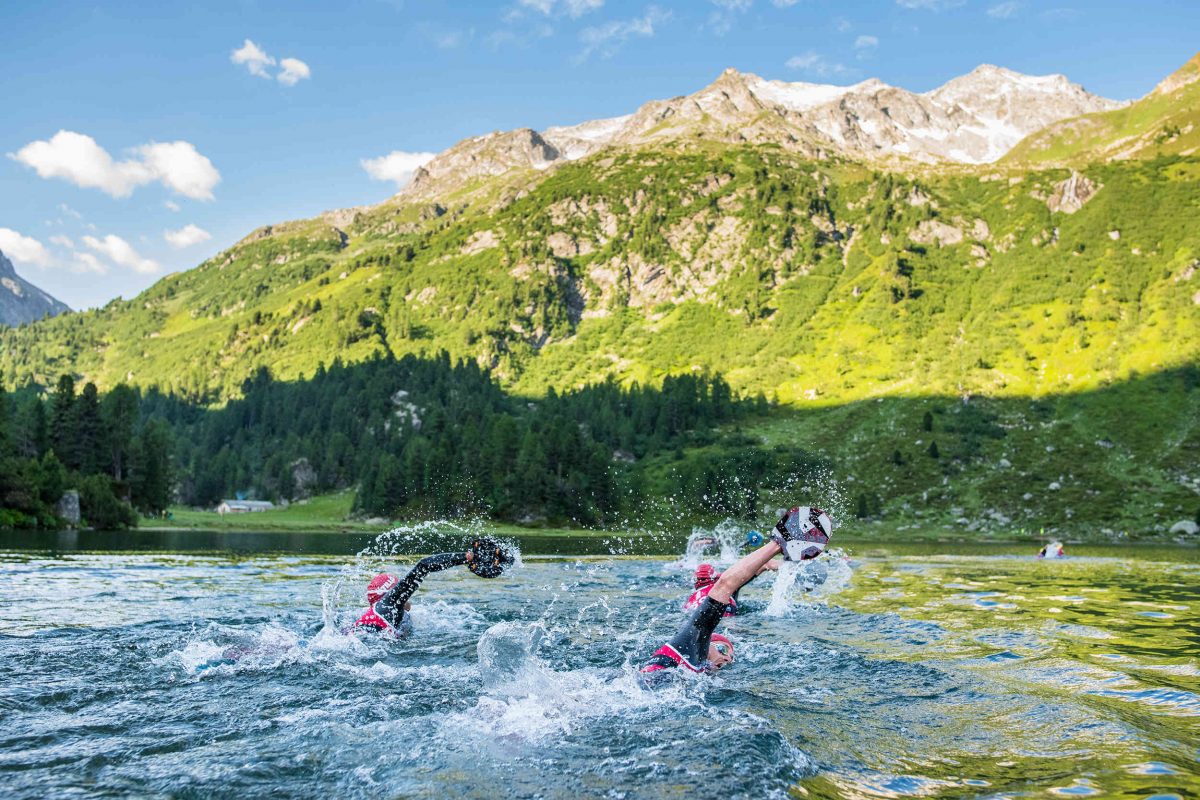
{"x": 21, "y": 301}
{"x": 973, "y": 119}
{"x": 1164, "y": 122}
{"x": 1027, "y": 310}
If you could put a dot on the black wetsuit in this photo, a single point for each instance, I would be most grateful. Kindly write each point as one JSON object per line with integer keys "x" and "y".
{"x": 688, "y": 648}
{"x": 389, "y": 609}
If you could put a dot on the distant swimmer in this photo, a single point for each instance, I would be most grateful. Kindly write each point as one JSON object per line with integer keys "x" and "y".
{"x": 389, "y": 595}
{"x": 801, "y": 534}
{"x": 706, "y": 577}
{"x": 1052, "y": 550}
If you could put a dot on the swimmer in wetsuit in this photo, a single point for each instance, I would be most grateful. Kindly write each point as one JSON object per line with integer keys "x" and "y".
{"x": 801, "y": 534}
{"x": 388, "y": 595}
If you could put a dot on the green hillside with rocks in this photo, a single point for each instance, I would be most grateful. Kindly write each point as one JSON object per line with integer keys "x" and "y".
{"x": 1164, "y": 122}
{"x": 1010, "y": 345}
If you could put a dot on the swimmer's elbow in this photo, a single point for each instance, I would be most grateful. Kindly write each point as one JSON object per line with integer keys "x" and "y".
{"x": 722, "y": 591}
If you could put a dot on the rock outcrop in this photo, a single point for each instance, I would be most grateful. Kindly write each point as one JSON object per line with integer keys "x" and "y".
{"x": 1069, "y": 195}
{"x": 1187, "y": 74}
{"x": 482, "y": 157}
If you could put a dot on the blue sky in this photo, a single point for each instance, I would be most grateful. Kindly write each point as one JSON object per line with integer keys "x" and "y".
{"x": 139, "y": 139}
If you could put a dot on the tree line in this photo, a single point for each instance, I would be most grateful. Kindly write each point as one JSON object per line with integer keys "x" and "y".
{"x": 415, "y": 437}
{"x": 421, "y": 437}
{"x": 118, "y": 460}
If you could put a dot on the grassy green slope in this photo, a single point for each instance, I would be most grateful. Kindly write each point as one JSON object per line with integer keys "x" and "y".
{"x": 1162, "y": 123}
{"x": 800, "y": 280}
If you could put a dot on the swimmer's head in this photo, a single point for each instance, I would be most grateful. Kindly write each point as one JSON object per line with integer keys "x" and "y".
{"x": 720, "y": 652}
{"x": 705, "y": 576}
{"x": 379, "y": 586}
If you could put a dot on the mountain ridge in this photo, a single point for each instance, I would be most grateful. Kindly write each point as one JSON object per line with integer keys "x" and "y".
{"x": 972, "y": 119}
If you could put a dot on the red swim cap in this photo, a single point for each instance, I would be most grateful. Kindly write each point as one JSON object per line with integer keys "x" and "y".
{"x": 704, "y": 576}
{"x": 379, "y": 585}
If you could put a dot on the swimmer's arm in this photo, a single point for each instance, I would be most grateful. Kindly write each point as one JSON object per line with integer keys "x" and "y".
{"x": 392, "y": 605}
{"x": 742, "y": 572}
{"x": 770, "y": 565}
{"x": 692, "y": 638}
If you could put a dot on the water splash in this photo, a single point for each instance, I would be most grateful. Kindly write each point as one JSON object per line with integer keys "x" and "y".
{"x": 811, "y": 581}
{"x": 720, "y": 546}
{"x": 343, "y": 596}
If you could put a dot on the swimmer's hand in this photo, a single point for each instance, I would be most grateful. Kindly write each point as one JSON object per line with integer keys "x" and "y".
{"x": 487, "y": 558}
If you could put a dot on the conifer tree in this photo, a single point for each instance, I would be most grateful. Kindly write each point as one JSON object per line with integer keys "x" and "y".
{"x": 62, "y": 428}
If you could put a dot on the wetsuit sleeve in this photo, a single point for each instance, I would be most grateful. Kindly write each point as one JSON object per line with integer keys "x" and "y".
{"x": 692, "y": 638}
{"x": 391, "y": 605}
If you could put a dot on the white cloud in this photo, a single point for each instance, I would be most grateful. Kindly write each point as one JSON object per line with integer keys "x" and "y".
{"x": 509, "y": 37}
{"x": 186, "y": 236}
{"x": 255, "y": 59}
{"x": 784, "y": 3}
{"x": 1004, "y": 10}
{"x": 930, "y": 5}
{"x": 572, "y": 8}
{"x": 397, "y": 166}
{"x": 721, "y": 21}
{"x": 121, "y": 252}
{"x": 866, "y": 42}
{"x": 842, "y": 24}
{"x": 66, "y": 209}
{"x": 815, "y": 64}
{"x": 23, "y": 249}
{"x": 63, "y": 241}
{"x": 179, "y": 166}
{"x": 577, "y": 8}
{"x": 77, "y": 158}
{"x": 448, "y": 39}
{"x": 294, "y": 71}
{"x": 607, "y": 39}
{"x": 171, "y": 205}
{"x": 86, "y": 262}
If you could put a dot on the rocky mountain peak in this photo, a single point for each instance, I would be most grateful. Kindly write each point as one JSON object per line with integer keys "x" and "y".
{"x": 20, "y": 300}
{"x": 483, "y": 156}
{"x": 975, "y": 118}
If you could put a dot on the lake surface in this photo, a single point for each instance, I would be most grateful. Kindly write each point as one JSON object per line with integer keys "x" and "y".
{"x": 936, "y": 673}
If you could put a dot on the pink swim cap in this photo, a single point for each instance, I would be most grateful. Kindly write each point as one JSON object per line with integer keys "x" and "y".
{"x": 379, "y": 585}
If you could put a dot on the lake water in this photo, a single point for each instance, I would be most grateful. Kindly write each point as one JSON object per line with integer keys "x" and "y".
{"x": 945, "y": 672}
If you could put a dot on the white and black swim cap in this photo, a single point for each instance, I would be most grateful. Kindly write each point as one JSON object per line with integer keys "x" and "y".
{"x": 804, "y": 532}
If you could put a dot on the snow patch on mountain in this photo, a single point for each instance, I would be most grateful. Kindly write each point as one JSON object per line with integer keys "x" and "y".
{"x": 972, "y": 119}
